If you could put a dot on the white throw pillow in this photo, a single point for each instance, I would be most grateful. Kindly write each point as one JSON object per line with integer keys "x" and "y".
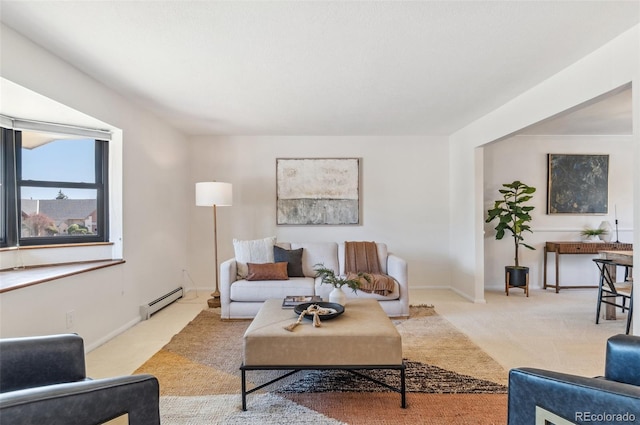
{"x": 257, "y": 251}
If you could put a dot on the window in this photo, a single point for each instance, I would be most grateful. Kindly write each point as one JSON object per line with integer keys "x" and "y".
{"x": 54, "y": 188}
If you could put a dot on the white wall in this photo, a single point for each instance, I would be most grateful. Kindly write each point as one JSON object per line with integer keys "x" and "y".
{"x": 525, "y": 158}
{"x": 404, "y": 197}
{"x": 155, "y": 208}
{"x": 612, "y": 66}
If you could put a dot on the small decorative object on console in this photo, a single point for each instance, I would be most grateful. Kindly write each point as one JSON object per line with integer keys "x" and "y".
{"x": 593, "y": 235}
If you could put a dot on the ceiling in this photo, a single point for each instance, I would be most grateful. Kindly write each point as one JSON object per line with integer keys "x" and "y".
{"x": 326, "y": 67}
{"x": 609, "y": 114}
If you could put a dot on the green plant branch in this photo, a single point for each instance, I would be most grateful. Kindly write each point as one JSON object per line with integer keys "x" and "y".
{"x": 593, "y": 232}
{"x": 329, "y": 277}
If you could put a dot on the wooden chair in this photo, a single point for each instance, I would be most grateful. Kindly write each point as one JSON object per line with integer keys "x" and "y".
{"x": 617, "y": 294}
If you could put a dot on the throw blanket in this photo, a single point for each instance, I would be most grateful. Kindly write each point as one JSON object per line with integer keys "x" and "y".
{"x": 362, "y": 257}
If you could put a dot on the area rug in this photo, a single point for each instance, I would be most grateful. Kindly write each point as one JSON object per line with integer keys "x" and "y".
{"x": 450, "y": 380}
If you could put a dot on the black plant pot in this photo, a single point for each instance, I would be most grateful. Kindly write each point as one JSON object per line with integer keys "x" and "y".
{"x": 516, "y": 276}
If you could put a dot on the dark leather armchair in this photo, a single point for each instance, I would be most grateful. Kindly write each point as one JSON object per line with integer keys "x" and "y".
{"x": 43, "y": 381}
{"x": 581, "y": 400}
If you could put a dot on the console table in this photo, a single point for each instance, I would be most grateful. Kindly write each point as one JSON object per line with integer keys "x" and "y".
{"x": 592, "y": 248}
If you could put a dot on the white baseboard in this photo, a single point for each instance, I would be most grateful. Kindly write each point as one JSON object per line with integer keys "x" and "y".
{"x": 451, "y": 288}
{"x": 90, "y": 347}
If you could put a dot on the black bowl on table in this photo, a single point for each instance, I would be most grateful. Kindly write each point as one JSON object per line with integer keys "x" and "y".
{"x": 339, "y": 309}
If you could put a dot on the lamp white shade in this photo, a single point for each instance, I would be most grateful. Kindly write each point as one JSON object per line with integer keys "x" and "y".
{"x": 209, "y": 194}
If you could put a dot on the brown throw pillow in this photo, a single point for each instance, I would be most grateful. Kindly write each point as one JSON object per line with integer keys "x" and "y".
{"x": 267, "y": 271}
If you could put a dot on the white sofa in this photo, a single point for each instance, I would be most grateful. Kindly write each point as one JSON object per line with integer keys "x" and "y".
{"x": 241, "y": 298}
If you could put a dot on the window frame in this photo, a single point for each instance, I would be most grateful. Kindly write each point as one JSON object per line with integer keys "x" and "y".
{"x": 8, "y": 188}
{"x": 13, "y": 182}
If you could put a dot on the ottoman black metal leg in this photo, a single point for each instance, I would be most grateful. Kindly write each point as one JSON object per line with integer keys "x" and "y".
{"x": 244, "y": 389}
{"x": 403, "y": 388}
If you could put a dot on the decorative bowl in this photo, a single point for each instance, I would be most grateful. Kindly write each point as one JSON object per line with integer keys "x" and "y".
{"x": 339, "y": 309}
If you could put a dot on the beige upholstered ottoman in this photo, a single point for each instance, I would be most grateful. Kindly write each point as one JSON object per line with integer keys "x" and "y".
{"x": 363, "y": 337}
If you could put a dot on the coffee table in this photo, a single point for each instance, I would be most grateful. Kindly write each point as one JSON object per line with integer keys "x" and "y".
{"x": 362, "y": 338}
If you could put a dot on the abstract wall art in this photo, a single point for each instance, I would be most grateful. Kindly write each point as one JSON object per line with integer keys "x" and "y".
{"x": 318, "y": 191}
{"x": 577, "y": 184}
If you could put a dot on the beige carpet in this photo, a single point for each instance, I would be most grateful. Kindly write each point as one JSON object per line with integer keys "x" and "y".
{"x": 449, "y": 381}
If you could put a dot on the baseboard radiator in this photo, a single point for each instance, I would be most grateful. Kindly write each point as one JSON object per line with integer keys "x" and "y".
{"x": 146, "y": 310}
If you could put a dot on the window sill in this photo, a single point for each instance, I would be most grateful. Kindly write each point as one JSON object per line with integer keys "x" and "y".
{"x": 56, "y": 246}
{"x": 28, "y": 276}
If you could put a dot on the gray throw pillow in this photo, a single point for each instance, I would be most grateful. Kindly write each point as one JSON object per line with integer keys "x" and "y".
{"x": 293, "y": 257}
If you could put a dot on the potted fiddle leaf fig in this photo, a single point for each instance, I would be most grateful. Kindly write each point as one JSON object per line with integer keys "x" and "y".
{"x": 513, "y": 215}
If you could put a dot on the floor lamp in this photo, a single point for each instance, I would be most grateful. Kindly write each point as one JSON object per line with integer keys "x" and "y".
{"x": 214, "y": 194}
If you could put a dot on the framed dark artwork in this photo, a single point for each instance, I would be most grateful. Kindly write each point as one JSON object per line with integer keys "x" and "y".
{"x": 314, "y": 191}
{"x": 577, "y": 184}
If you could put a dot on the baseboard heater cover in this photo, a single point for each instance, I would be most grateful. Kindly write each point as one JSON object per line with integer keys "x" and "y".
{"x": 146, "y": 310}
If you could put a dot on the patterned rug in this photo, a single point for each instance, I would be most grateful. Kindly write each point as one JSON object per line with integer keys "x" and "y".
{"x": 449, "y": 380}
{"x": 419, "y": 378}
